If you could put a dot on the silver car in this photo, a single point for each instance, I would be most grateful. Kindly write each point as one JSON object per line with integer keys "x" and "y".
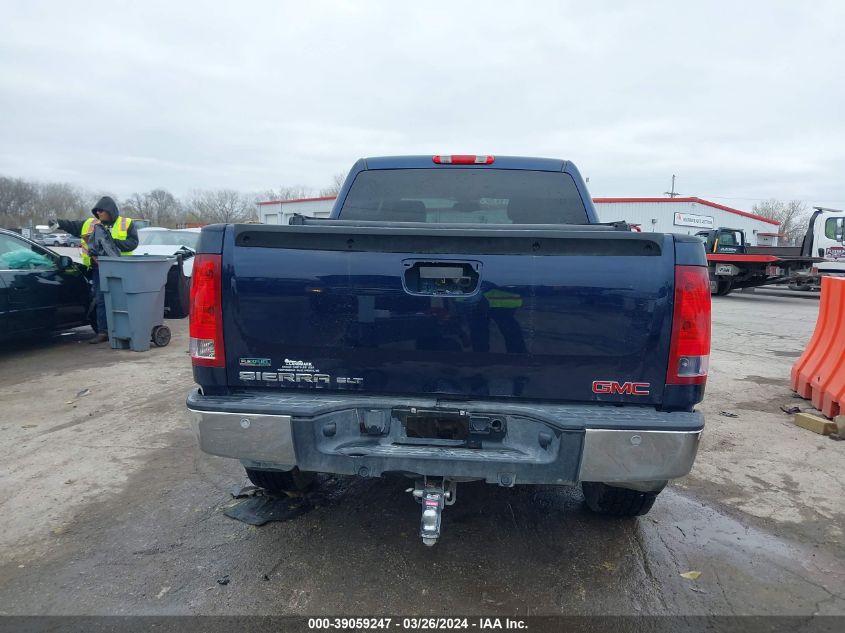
{"x": 55, "y": 239}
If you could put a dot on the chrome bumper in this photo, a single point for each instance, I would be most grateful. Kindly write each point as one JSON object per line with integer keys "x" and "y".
{"x": 607, "y": 455}
{"x": 245, "y": 436}
{"x": 622, "y": 456}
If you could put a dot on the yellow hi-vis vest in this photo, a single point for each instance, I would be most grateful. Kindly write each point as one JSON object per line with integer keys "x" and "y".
{"x": 119, "y": 231}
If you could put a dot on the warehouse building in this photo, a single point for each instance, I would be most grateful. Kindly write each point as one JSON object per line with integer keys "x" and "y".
{"x": 660, "y": 215}
{"x": 280, "y": 211}
{"x": 686, "y": 215}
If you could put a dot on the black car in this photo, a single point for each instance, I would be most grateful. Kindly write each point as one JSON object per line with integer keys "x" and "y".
{"x": 39, "y": 289}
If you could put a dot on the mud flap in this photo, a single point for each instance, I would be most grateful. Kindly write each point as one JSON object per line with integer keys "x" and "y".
{"x": 258, "y": 510}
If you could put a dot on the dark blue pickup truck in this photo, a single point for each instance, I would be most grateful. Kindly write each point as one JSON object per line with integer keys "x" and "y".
{"x": 458, "y": 318}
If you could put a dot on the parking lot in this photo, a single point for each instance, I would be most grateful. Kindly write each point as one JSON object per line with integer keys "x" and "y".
{"x": 108, "y": 507}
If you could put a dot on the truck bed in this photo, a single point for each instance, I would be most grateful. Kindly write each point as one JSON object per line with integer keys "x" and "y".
{"x": 779, "y": 251}
{"x": 762, "y": 258}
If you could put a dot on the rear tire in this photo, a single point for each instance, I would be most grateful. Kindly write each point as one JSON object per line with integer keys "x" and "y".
{"x": 723, "y": 287}
{"x": 800, "y": 287}
{"x": 614, "y": 501}
{"x": 280, "y": 482}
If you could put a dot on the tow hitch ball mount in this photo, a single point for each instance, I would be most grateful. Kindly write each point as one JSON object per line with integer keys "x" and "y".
{"x": 433, "y": 493}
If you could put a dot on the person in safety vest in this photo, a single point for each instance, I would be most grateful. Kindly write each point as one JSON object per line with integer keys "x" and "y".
{"x": 124, "y": 234}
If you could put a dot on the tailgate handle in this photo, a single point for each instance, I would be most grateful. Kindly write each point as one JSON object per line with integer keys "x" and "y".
{"x": 440, "y": 278}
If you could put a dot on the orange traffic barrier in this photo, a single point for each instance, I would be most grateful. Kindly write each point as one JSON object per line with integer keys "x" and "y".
{"x": 819, "y": 375}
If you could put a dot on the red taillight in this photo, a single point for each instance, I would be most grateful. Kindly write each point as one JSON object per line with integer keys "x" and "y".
{"x": 206, "y": 329}
{"x": 463, "y": 159}
{"x": 689, "y": 351}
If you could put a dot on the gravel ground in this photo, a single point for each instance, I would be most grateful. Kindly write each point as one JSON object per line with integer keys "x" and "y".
{"x": 109, "y": 508}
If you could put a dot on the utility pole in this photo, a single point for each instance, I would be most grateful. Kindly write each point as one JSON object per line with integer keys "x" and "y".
{"x": 673, "y": 193}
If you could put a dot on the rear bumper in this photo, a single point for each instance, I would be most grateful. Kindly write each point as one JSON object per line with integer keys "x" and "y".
{"x": 541, "y": 443}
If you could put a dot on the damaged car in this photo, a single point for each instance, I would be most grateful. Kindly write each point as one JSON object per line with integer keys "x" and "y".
{"x": 182, "y": 244}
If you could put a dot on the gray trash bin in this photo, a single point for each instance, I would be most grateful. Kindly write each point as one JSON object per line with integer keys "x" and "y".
{"x": 134, "y": 292}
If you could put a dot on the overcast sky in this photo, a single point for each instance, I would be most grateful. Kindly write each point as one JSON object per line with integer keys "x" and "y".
{"x": 743, "y": 100}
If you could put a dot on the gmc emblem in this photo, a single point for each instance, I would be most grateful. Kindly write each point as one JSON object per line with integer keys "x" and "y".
{"x": 625, "y": 388}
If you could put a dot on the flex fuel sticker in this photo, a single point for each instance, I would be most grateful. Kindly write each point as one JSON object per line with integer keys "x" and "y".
{"x": 255, "y": 362}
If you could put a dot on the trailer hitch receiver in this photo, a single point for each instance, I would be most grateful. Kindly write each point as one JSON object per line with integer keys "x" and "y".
{"x": 433, "y": 494}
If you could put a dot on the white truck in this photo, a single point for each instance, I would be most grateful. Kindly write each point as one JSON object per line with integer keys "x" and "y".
{"x": 825, "y": 238}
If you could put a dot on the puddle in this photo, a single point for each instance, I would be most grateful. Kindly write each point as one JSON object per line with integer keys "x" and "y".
{"x": 784, "y": 353}
{"x": 765, "y": 380}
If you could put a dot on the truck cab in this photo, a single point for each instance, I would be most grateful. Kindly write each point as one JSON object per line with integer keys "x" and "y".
{"x": 723, "y": 240}
{"x": 826, "y": 238}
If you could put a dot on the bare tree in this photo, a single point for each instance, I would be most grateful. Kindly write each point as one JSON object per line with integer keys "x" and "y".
{"x": 59, "y": 199}
{"x": 159, "y": 206}
{"x": 294, "y": 192}
{"x": 220, "y": 206}
{"x": 793, "y": 217}
{"x": 18, "y": 202}
{"x": 135, "y": 206}
{"x": 24, "y": 202}
{"x": 334, "y": 188}
{"x": 166, "y": 208}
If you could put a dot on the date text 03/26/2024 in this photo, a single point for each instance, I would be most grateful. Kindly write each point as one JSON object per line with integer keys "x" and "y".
{"x": 417, "y": 624}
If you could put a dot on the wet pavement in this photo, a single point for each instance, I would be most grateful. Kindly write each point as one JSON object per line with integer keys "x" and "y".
{"x": 162, "y": 545}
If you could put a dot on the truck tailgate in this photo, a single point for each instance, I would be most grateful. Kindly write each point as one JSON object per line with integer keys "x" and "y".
{"x": 558, "y": 315}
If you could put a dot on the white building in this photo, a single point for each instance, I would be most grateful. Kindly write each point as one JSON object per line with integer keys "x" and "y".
{"x": 661, "y": 215}
{"x": 280, "y": 211}
{"x": 687, "y": 215}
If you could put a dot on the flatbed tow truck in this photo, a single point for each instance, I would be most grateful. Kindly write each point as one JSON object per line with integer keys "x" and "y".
{"x": 733, "y": 264}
